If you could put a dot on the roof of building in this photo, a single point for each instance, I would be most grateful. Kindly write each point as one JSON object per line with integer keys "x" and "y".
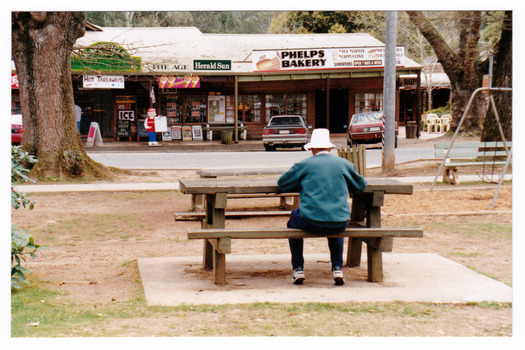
{"x": 158, "y": 46}
{"x": 436, "y": 80}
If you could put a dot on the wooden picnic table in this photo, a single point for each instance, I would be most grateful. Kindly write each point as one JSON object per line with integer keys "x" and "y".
{"x": 366, "y": 209}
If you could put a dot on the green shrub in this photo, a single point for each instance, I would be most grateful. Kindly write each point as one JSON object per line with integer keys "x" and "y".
{"x": 22, "y": 243}
{"x": 441, "y": 110}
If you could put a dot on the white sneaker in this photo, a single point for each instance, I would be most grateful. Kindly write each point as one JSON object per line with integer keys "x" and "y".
{"x": 298, "y": 276}
{"x": 339, "y": 278}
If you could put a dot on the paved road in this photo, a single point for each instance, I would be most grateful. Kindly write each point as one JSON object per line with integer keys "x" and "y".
{"x": 227, "y": 160}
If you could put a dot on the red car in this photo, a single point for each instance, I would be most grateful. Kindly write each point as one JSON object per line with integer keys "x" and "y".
{"x": 17, "y": 129}
{"x": 367, "y": 127}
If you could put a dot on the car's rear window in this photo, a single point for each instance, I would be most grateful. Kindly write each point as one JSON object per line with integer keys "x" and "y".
{"x": 285, "y": 121}
{"x": 366, "y": 118}
{"x": 16, "y": 119}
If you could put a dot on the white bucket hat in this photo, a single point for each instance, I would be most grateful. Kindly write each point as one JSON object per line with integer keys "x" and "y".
{"x": 320, "y": 139}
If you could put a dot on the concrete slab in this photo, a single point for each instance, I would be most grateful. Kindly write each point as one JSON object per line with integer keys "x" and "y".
{"x": 172, "y": 281}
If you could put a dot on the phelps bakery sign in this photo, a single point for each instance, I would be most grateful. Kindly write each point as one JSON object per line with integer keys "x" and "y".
{"x": 323, "y": 58}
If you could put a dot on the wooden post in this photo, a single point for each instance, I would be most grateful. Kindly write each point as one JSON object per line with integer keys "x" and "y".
{"x": 375, "y": 249}
{"x": 375, "y": 261}
{"x": 213, "y": 257}
{"x": 328, "y": 103}
{"x": 357, "y": 218}
{"x": 236, "y": 103}
{"x": 418, "y": 103}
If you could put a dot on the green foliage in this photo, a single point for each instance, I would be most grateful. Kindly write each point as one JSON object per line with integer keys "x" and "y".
{"x": 298, "y": 22}
{"x": 442, "y": 110}
{"x": 242, "y": 22}
{"x": 22, "y": 243}
{"x": 19, "y": 172}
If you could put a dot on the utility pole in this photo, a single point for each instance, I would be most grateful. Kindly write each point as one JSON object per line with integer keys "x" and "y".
{"x": 389, "y": 94}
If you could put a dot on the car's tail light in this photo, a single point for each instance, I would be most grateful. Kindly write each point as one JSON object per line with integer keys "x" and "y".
{"x": 268, "y": 132}
{"x": 300, "y": 131}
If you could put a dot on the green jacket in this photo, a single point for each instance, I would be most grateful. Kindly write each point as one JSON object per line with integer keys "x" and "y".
{"x": 323, "y": 182}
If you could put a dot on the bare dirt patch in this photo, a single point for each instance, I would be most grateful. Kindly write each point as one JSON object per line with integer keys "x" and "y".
{"x": 95, "y": 265}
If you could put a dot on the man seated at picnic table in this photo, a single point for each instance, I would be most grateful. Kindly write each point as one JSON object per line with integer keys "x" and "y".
{"x": 323, "y": 182}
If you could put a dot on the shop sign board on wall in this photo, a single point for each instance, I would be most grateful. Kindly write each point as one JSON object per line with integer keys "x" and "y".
{"x": 196, "y": 131}
{"x": 323, "y": 58}
{"x": 126, "y": 115}
{"x": 141, "y": 129}
{"x": 216, "y": 109}
{"x": 186, "y": 133}
{"x": 176, "y": 132}
{"x": 174, "y": 82}
{"x": 124, "y": 128}
{"x": 212, "y": 65}
{"x": 166, "y": 136}
{"x": 103, "y": 81}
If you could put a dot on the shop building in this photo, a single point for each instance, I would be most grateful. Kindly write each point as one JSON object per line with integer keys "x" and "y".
{"x": 194, "y": 79}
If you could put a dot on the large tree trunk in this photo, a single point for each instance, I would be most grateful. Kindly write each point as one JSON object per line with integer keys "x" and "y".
{"x": 461, "y": 66}
{"x": 41, "y": 48}
{"x": 502, "y": 77}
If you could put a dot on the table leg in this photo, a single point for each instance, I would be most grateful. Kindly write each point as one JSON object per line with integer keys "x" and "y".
{"x": 375, "y": 260}
{"x": 213, "y": 257}
{"x": 197, "y": 202}
{"x": 357, "y": 217}
{"x": 376, "y": 247}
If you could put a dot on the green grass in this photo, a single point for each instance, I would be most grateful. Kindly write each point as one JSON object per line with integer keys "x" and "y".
{"x": 94, "y": 226}
{"x": 475, "y": 229}
{"x": 35, "y": 312}
{"x": 39, "y": 312}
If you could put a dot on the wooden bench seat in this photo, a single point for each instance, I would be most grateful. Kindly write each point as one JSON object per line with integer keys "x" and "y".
{"x": 219, "y": 241}
{"x": 200, "y": 215}
{"x": 465, "y": 154}
{"x": 210, "y": 128}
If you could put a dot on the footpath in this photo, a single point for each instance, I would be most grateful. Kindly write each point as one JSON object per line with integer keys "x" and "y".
{"x": 34, "y": 188}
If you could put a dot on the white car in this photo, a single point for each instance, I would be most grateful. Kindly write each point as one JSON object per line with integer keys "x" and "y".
{"x": 285, "y": 131}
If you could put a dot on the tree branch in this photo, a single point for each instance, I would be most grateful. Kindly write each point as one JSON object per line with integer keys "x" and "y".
{"x": 443, "y": 51}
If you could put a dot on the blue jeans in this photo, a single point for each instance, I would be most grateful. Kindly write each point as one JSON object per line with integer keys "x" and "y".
{"x": 335, "y": 244}
{"x": 152, "y": 136}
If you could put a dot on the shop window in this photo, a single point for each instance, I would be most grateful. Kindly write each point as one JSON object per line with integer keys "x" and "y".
{"x": 15, "y": 103}
{"x": 249, "y": 108}
{"x": 171, "y": 107}
{"x": 285, "y": 104}
{"x": 195, "y": 109}
{"x": 368, "y": 102}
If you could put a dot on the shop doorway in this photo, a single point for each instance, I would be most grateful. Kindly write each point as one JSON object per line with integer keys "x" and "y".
{"x": 338, "y": 118}
{"x": 103, "y": 112}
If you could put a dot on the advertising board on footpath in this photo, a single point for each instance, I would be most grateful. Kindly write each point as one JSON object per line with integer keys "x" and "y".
{"x": 94, "y": 135}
